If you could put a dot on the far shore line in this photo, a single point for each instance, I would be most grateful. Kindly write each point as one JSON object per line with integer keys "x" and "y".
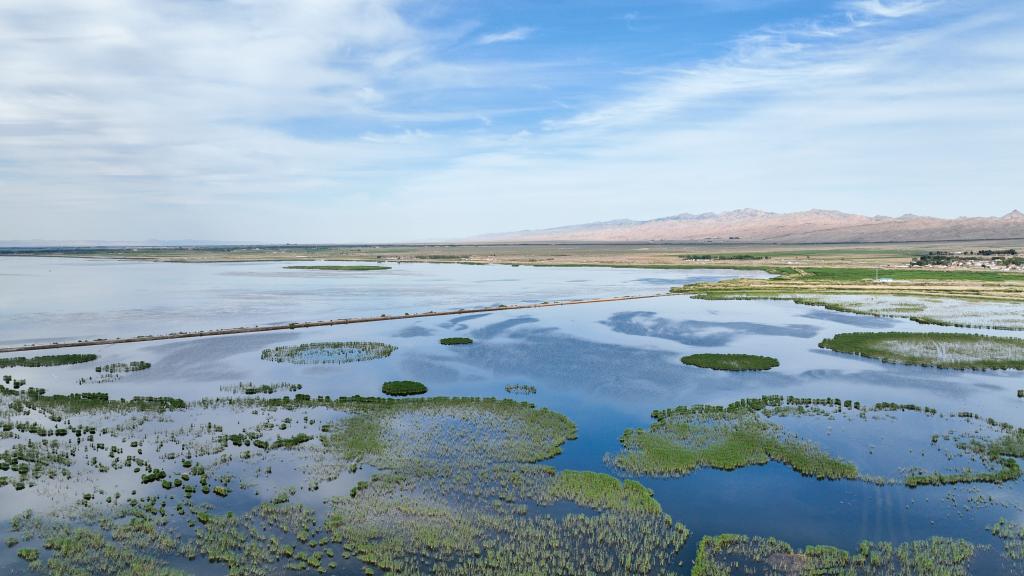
{"x": 315, "y": 324}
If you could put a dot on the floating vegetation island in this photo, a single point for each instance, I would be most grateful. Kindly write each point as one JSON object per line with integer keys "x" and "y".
{"x": 520, "y": 389}
{"x": 752, "y": 431}
{"x": 45, "y": 361}
{"x": 340, "y": 268}
{"x": 403, "y": 388}
{"x": 456, "y": 341}
{"x": 731, "y": 362}
{"x": 933, "y": 349}
{"x": 328, "y": 352}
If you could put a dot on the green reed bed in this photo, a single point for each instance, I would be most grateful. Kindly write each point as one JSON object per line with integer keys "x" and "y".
{"x": 340, "y": 268}
{"x": 726, "y": 438}
{"x": 113, "y": 372}
{"x": 403, "y": 388}
{"x": 328, "y": 352}
{"x": 737, "y": 554}
{"x": 731, "y": 362}
{"x": 939, "y": 350}
{"x": 458, "y": 491}
{"x": 743, "y": 433}
{"x": 122, "y": 367}
{"x": 451, "y": 498}
{"x": 46, "y": 361}
{"x": 249, "y": 389}
{"x": 603, "y": 492}
{"x": 291, "y": 441}
{"x": 1012, "y": 536}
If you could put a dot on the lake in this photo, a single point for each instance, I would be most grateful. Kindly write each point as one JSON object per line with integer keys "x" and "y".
{"x": 605, "y": 366}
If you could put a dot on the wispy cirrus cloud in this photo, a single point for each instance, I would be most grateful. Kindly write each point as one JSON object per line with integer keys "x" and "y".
{"x": 891, "y": 8}
{"x": 513, "y": 35}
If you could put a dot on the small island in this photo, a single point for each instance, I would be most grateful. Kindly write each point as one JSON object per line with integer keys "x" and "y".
{"x": 348, "y": 268}
{"x": 456, "y": 341}
{"x": 731, "y": 362}
{"x": 403, "y": 388}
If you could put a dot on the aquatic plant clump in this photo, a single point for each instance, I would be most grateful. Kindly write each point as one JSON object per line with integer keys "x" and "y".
{"x": 403, "y": 388}
{"x": 456, "y": 341}
{"x": 520, "y": 389}
{"x": 1012, "y": 535}
{"x": 939, "y": 350}
{"x": 734, "y": 554}
{"x": 731, "y": 362}
{"x": 112, "y": 372}
{"x": 328, "y": 352}
{"x": 46, "y": 361}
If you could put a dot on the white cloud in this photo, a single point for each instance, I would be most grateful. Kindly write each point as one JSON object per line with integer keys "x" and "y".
{"x": 513, "y": 35}
{"x": 890, "y": 9}
{"x": 336, "y": 121}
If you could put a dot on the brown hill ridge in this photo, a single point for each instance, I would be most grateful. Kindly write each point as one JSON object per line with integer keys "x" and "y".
{"x": 811, "y": 226}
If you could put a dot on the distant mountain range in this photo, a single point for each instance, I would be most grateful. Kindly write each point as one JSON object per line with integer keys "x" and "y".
{"x": 811, "y": 226}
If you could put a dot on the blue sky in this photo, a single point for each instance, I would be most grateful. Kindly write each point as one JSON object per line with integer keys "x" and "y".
{"x": 389, "y": 120}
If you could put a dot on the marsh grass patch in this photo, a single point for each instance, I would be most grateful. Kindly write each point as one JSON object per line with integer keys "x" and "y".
{"x": 933, "y": 349}
{"x": 328, "y": 352}
{"x": 46, "y": 361}
{"x": 731, "y": 362}
{"x": 403, "y": 388}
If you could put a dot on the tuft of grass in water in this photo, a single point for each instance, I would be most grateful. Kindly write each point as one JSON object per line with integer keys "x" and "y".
{"x": 403, "y": 388}
{"x": 456, "y": 341}
{"x": 933, "y": 349}
{"x": 291, "y": 442}
{"x": 731, "y": 362}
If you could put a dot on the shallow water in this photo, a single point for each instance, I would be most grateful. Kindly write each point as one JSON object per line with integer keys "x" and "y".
{"x": 606, "y": 366}
{"x": 51, "y": 299}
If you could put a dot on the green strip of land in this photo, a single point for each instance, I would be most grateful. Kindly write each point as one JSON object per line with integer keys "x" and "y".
{"x": 352, "y": 268}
